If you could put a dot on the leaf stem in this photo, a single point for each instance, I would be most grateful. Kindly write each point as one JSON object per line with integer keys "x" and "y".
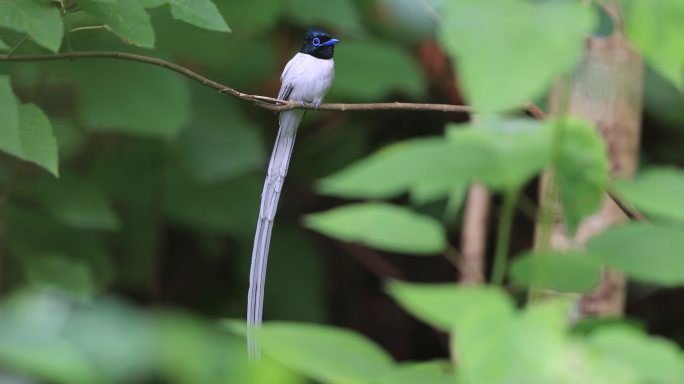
{"x": 503, "y": 237}
{"x": 549, "y": 197}
{"x": 16, "y": 47}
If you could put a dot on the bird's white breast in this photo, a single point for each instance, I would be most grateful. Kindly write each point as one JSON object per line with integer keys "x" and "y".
{"x": 310, "y": 77}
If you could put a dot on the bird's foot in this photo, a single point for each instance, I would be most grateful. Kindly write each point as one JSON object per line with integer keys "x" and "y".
{"x": 316, "y": 105}
{"x": 302, "y": 103}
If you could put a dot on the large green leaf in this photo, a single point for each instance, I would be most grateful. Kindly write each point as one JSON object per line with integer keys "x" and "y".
{"x": 202, "y": 13}
{"x": 371, "y": 69}
{"x": 656, "y": 191}
{"x": 650, "y": 359}
{"x": 31, "y": 340}
{"x": 145, "y": 101}
{"x": 655, "y": 28}
{"x": 216, "y": 207}
{"x": 509, "y": 51}
{"x": 339, "y": 13}
{"x": 27, "y": 133}
{"x": 325, "y": 353}
{"x": 77, "y": 202}
{"x": 253, "y": 15}
{"x": 38, "y": 19}
{"x": 402, "y": 167}
{"x": 127, "y": 18}
{"x": 382, "y": 226}
{"x": 38, "y": 144}
{"x": 432, "y": 372}
{"x": 4, "y": 46}
{"x": 503, "y": 154}
{"x": 219, "y": 143}
{"x": 643, "y": 252}
{"x": 565, "y": 272}
{"x": 530, "y": 347}
{"x": 582, "y": 172}
{"x": 32, "y": 235}
{"x": 442, "y": 305}
{"x": 9, "y": 116}
{"x": 54, "y": 272}
{"x": 513, "y": 150}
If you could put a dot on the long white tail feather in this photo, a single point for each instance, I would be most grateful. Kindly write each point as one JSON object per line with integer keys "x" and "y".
{"x": 277, "y": 170}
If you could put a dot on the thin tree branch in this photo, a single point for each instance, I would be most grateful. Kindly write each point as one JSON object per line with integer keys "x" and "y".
{"x": 261, "y": 101}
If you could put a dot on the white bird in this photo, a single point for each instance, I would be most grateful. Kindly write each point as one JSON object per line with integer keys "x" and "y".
{"x": 306, "y": 78}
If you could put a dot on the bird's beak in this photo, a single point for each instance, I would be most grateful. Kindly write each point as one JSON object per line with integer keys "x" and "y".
{"x": 330, "y": 42}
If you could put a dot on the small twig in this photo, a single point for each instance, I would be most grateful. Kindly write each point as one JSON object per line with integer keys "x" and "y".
{"x": 535, "y": 111}
{"x": 628, "y": 209}
{"x": 504, "y": 237}
{"x": 474, "y": 235}
{"x": 8, "y": 56}
{"x": 453, "y": 256}
{"x": 374, "y": 262}
{"x": 89, "y": 27}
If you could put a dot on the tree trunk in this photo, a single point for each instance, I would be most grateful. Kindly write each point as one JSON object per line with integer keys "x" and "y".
{"x": 607, "y": 90}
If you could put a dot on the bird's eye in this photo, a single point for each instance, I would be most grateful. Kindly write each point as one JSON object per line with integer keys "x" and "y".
{"x": 316, "y": 41}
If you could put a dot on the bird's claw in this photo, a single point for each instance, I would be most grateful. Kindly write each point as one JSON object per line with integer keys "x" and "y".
{"x": 316, "y": 105}
{"x": 302, "y": 103}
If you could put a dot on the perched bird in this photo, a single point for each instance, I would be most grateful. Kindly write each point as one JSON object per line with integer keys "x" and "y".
{"x": 306, "y": 78}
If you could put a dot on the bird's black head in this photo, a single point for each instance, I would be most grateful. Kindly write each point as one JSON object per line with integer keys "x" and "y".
{"x": 318, "y": 43}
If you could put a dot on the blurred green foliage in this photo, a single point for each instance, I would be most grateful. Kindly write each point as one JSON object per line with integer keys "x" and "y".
{"x": 159, "y": 182}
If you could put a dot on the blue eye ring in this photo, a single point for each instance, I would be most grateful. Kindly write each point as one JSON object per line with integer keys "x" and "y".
{"x": 316, "y": 41}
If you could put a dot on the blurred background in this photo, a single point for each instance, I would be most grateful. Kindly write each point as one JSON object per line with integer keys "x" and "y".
{"x": 160, "y": 177}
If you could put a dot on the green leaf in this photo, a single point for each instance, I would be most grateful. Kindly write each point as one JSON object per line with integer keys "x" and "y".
{"x": 431, "y": 372}
{"x": 205, "y": 206}
{"x": 30, "y": 340}
{"x": 253, "y": 15}
{"x": 132, "y": 173}
{"x": 38, "y": 19}
{"x": 324, "y": 353}
{"x": 565, "y": 272}
{"x": 370, "y": 70}
{"x": 401, "y": 167}
{"x": 116, "y": 338}
{"x": 219, "y": 143}
{"x": 528, "y": 348}
{"x": 33, "y": 234}
{"x": 192, "y": 352}
{"x": 650, "y": 359}
{"x": 31, "y": 139}
{"x": 643, "y": 252}
{"x": 382, "y": 226}
{"x": 443, "y": 305}
{"x": 655, "y": 28}
{"x": 63, "y": 274}
{"x": 503, "y": 154}
{"x": 513, "y": 150}
{"x": 300, "y": 274}
{"x": 656, "y": 191}
{"x": 9, "y": 116}
{"x": 583, "y": 172}
{"x": 342, "y": 14}
{"x": 149, "y": 102}
{"x": 127, "y": 18}
{"x": 509, "y": 51}
{"x": 202, "y": 13}
{"x": 4, "y": 46}
{"x": 78, "y": 203}
{"x": 38, "y": 143}
{"x": 147, "y": 3}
